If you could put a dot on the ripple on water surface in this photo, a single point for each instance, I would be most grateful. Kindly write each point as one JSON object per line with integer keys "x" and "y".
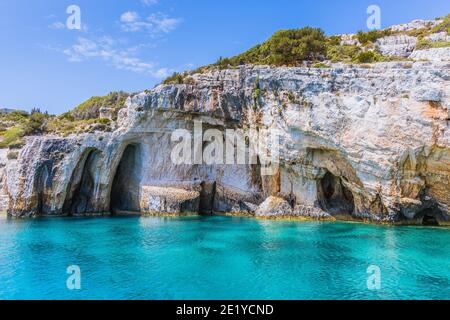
{"x": 220, "y": 258}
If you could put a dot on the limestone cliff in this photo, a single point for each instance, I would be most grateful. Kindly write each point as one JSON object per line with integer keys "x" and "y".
{"x": 369, "y": 142}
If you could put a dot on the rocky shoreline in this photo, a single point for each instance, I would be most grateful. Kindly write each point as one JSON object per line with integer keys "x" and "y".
{"x": 356, "y": 143}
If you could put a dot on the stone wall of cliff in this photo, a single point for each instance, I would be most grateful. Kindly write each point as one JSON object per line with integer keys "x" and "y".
{"x": 356, "y": 142}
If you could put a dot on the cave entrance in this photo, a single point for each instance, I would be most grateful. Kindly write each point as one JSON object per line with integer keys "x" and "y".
{"x": 429, "y": 217}
{"x": 125, "y": 189}
{"x": 80, "y": 195}
{"x": 207, "y": 196}
{"x": 334, "y": 197}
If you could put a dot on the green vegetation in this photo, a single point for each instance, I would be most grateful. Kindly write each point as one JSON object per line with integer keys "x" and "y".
{"x": 12, "y": 155}
{"x": 343, "y": 53}
{"x": 369, "y": 57}
{"x": 11, "y": 137}
{"x": 17, "y": 124}
{"x": 180, "y": 78}
{"x": 14, "y": 126}
{"x": 320, "y": 65}
{"x": 427, "y": 44}
{"x": 295, "y": 46}
{"x": 91, "y": 107}
{"x": 366, "y": 38}
{"x": 444, "y": 26}
{"x": 422, "y": 34}
{"x": 284, "y": 48}
{"x": 175, "y": 78}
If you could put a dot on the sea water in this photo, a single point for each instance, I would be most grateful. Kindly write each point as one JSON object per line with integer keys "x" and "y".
{"x": 220, "y": 258}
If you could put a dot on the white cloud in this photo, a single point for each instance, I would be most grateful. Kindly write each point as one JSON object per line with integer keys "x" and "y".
{"x": 154, "y": 24}
{"x": 129, "y": 17}
{"x": 106, "y": 49}
{"x": 149, "y": 2}
{"x": 57, "y": 25}
{"x": 163, "y": 23}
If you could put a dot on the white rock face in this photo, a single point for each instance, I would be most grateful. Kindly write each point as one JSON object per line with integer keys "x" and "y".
{"x": 433, "y": 54}
{"x": 397, "y": 46}
{"x": 369, "y": 143}
{"x": 416, "y": 24}
{"x": 438, "y": 37}
{"x": 4, "y": 199}
{"x": 274, "y": 207}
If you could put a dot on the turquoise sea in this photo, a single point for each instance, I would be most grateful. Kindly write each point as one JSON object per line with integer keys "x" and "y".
{"x": 220, "y": 258}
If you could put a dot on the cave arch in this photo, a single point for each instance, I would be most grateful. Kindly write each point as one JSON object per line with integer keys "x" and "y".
{"x": 125, "y": 188}
{"x": 333, "y": 196}
{"x": 82, "y": 185}
{"x": 430, "y": 216}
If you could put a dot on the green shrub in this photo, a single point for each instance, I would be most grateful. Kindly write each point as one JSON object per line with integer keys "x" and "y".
{"x": 427, "y": 44}
{"x": 175, "y": 78}
{"x": 343, "y": 53}
{"x": 334, "y": 40}
{"x": 285, "y": 47}
{"x": 104, "y": 121}
{"x": 370, "y": 37}
{"x": 12, "y": 155}
{"x": 90, "y": 109}
{"x": 365, "y": 57}
{"x": 223, "y": 63}
{"x": 369, "y": 57}
{"x": 67, "y": 116}
{"x": 443, "y": 26}
{"x": 320, "y": 65}
{"x": 12, "y": 136}
{"x": 36, "y": 123}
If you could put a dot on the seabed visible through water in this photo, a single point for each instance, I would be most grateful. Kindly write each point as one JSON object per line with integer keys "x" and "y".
{"x": 220, "y": 257}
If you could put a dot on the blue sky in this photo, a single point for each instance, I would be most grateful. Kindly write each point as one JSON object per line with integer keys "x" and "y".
{"x": 131, "y": 45}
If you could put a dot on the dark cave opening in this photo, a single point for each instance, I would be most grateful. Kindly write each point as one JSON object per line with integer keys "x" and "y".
{"x": 82, "y": 185}
{"x": 429, "y": 217}
{"x": 334, "y": 197}
{"x": 125, "y": 189}
{"x": 207, "y": 197}
{"x": 42, "y": 183}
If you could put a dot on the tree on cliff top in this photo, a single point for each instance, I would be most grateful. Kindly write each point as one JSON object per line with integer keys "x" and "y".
{"x": 285, "y": 47}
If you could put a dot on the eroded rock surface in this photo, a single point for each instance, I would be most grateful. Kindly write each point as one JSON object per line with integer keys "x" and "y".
{"x": 369, "y": 143}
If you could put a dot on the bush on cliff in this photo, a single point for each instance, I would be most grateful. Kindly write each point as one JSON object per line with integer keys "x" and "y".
{"x": 175, "y": 78}
{"x": 17, "y": 124}
{"x": 368, "y": 57}
{"x": 343, "y": 53}
{"x": 36, "y": 123}
{"x": 285, "y": 47}
{"x": 371, "y": 36}
{"x": 90, "y": 109}
{"x": 444, "y": 26}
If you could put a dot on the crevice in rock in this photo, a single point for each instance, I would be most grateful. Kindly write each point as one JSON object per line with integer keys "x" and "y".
{"x": 334, "y": 197}
{"x": 125, "y": 189}
{"x": 42, "y": 182}
{"x": 82, "y": 185}
{"x": 207, "y": 197}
